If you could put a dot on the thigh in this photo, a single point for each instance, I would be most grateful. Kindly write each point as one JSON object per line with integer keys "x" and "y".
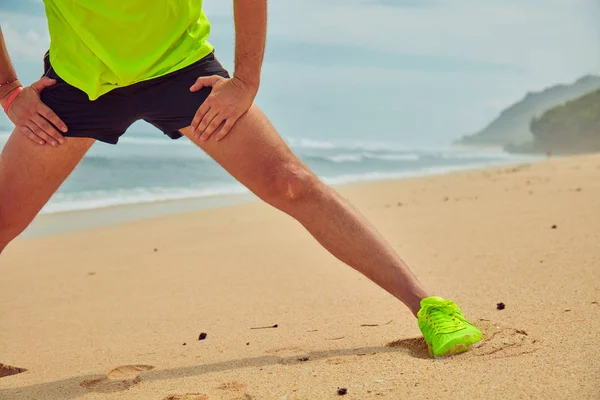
{"x": 252, "y": 152}
{"x": 30, "y": 174}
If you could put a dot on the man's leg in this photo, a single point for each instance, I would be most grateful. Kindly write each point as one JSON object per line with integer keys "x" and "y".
{"x": 29, "y": 175}
{"x": 255, "y": 155}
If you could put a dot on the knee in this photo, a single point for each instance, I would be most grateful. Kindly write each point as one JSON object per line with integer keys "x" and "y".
{"x": 292, "y": 184}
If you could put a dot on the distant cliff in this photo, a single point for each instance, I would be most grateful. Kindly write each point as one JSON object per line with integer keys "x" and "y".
{"x": 511, "y": 127}
{"x": 570, "y": 128}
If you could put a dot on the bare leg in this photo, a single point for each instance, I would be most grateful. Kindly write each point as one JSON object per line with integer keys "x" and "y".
{"x": 29, "y": 176}
{"x": 255, "y": 155}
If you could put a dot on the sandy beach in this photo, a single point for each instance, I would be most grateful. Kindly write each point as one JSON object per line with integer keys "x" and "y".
{"x": 116, "y": 312}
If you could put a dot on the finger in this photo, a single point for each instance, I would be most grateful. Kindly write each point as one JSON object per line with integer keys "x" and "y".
{"x": 29, "y": 133}
{"x": 229, "y": 122}
{"x": 39, "y": 132}
{"x": 212, "y": 127}
{"x": 47, "y": 113}
{"x": 205, "y": 81}
{"x": 207, "y": 119}
{"x": 202, "y": 110}
{"x": 43, "y": 83}
{"x": 48, "y": 129}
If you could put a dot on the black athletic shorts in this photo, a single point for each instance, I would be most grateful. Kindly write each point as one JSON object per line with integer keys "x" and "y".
{"x": 165, "y": 102}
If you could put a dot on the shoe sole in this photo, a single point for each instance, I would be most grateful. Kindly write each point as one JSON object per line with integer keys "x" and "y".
{"x": 454, "y": 350}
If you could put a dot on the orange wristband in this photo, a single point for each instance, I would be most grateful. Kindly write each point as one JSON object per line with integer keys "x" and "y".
{"x": 11, "y": 97}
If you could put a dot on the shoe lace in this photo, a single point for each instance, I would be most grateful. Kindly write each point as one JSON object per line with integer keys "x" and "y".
{"x": 445, "y": 318}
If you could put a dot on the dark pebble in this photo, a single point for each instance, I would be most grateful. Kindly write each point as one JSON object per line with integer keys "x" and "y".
{"x": 248, "y": 344}
{"x": 342, "y": 391}
{"x": 155, "y": 249}
{"x": 500, "y": 306}
{"x": 554, "y": 226}
{"x": 202, "y": 336}
{"x": 184, "y": 344}
{"x": 303, "y": 359}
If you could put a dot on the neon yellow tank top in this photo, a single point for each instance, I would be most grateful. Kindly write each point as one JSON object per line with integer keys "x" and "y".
{"x": 100, "y": 45}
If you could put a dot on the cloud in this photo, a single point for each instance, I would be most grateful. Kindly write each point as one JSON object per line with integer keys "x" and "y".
{"x": 345, "y": 55}
{"x": 460, "y": 60}
{"x": 27, "y": 7}
{"x": 551, "y": 38}
{"x": 26, "y": 44}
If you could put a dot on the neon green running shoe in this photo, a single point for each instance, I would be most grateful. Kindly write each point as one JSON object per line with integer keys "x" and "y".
{"x": 445, "y": 329}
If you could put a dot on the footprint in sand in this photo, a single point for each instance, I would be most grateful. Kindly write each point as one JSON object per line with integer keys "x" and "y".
{"x": 235, "y": 391}
{"x": 117, "y": 379}
{"x": 502, "y": 341}
{"x": 128, "y": 371}
{"x": 187, "y": 396}
{"x": 498, "y": 342}
{"x": 8, "y": 370}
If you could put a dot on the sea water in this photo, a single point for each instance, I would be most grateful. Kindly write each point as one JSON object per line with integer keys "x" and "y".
{"x": 149, "y": 167}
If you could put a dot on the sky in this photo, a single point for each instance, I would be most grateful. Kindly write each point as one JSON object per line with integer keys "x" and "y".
{"x": 415, "y": 72}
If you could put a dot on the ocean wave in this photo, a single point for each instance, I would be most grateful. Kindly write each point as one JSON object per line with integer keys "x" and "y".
{"x": 356, "y": 158}
{"x": 349, "y": 157}
{"x": 347, "y": 150}
{"x": 4, "y": 136}
{"x": 295, "y": 143}
{"x": 473, "y": 155}
{"x": 159, "y": 140}
{"x": 62, "y": 202}
{"x": 426, "y": 171}
{"x": 303, "y": 143}
{"x": 395, "y": 157}
{"x": 306, "y": 143}
{"x": 341, "y": 158}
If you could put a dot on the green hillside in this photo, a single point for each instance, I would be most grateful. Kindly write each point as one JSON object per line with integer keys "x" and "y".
{"x": 511, "y": 127}
{"x": 570, "y": 128}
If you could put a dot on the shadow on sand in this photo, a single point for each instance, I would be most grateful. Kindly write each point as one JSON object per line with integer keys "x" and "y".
{"x": 68, "y": 389}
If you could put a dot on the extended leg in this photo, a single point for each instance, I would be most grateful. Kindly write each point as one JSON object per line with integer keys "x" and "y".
{"x": 255, "y": 155}
{"x": 29, "y": 175}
